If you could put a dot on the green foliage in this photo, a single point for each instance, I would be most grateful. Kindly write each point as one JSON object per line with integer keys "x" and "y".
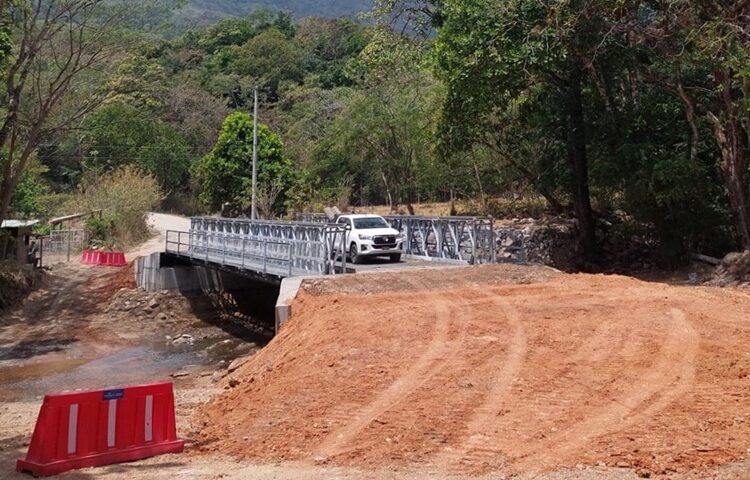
{"x": 125, "y": 196}
{"x": 100, "y": 228}
{"x": 225, "y": 174}
{"x": 330, "y": 45}
{"x": 270, "y": 58}
{"x": 26, "y": 201}
{"x": 474, "y": 103}
{"x": 118, "y": 134}
{"x": 5, "y": 49}
{"x": 384, "y": 136}
{"x": 210, "y": 10}
{"x": 42, "y": 229}
{"x": 142, "y": 82}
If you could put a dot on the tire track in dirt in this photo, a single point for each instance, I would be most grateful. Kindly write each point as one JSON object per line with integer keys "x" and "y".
{"x": 670, "y": 376}
{"x": 435, "y": 357}
{"x": 407, "y": 416}
{"x": 478, "y": 446}
{"x": 482, "y": 448}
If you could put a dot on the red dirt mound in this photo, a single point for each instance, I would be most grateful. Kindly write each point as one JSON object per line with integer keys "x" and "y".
{"x": 511, "y": 378}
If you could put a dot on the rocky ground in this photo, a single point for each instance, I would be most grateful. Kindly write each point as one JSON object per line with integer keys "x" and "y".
{"x": 89, "y": 328}
{"x": 734, "y": 270}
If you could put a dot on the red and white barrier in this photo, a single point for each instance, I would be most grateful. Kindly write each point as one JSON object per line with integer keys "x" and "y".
{"x": 91, "y": 257}
{"x": 113, "y": 259}
{"x": 103, "y": 259}
{"x": 92, "y": 429}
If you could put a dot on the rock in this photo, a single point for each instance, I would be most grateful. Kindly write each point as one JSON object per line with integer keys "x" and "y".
{"x": 179, "y": 374}
{"x": 183, "y": 339}
{"x": 162, "y": 316}
{"x": 233, "y": 382}
{"x": 237, "y": 364}
{"x": 153, "y": 303}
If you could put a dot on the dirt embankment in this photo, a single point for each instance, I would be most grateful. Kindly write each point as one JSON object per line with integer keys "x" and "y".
{"x": 16, "y": 282}
{"x": 467, "y": 373}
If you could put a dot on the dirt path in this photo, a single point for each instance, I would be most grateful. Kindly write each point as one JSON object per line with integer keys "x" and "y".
{"x": 525, "y": 379}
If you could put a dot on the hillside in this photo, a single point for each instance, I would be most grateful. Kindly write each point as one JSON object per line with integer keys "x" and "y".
{"x": 208, "y": 10}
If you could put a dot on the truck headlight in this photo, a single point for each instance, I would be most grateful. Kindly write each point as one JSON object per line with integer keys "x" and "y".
{"x": 400, "y": 236}
{"x": 365, "y": 237}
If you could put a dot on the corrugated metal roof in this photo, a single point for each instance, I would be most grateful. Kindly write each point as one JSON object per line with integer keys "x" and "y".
{"x": 18, "y": 223}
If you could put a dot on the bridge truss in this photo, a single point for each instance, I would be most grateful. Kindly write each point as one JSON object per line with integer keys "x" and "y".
{"x": 276, "y": 248}
{"x": 465, "y": 239}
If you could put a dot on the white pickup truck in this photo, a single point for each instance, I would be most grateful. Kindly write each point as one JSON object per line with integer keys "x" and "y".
{"x": 371, "y": 236}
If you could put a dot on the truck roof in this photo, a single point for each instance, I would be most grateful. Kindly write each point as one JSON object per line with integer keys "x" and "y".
{"x": 358, "y": 215}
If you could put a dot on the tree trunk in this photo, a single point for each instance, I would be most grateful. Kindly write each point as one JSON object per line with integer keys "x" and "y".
{"x": 409, "y": 207}
{"x": 388, "y": 192}
{"x": 482, "y": 197}
{"x": 576, "y": 146}
{"x": 734, "y": 166}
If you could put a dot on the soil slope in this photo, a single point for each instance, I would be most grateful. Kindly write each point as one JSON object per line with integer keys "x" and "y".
{"x": 480, "y": 376}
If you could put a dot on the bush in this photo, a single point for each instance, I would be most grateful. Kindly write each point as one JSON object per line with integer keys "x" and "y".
{"x": 125, "y": 196}
{"x": 100, "y": 229}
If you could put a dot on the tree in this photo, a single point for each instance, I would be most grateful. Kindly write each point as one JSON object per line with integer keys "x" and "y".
{"x": 195, "y": 114}
{"x": 388, "y": 126}
{"x": 490, "y": 54}
{"x": 55, "y": 74}
{"x": 118, "y": 134}
{"x": 225, "y": 174}
{"x": 270, "y": 58}
{"x": 26, "y": 202}
{"x": 329, "y": 44}
{"x": 699, "y": 51}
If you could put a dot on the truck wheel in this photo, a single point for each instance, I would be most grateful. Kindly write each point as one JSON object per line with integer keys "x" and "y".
{"x": 395, "y": 258}
{"x": 354, "y": 255}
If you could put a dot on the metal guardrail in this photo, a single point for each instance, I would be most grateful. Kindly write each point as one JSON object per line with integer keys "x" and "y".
{"x": 262, "y": 256}
{"x": 312, "y": 247}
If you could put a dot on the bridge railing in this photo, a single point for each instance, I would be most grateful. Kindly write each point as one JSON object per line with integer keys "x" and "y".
{"x": 313, "y": 247}
{"x": 261, "y": 255}
{"x": 470, "y": 239}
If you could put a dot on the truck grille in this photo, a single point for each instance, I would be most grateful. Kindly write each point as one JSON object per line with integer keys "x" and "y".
{"x": 384, "y": 240}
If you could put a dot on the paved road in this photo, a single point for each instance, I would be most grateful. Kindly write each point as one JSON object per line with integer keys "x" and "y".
{"x": 383, "y": 264}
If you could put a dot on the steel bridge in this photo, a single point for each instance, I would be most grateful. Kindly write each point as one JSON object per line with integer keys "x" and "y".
{"x": 269, "y": 248}
{"x": 312, "y": 245}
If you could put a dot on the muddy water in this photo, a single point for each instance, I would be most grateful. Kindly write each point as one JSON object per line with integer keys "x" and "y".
{"x": 70, "y": 368}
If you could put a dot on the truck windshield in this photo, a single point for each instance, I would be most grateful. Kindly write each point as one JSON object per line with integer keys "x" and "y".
{"x": 369, "y": 222}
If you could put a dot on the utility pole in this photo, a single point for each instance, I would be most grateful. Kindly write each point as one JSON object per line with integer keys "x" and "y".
{"x": 253, "y": 214}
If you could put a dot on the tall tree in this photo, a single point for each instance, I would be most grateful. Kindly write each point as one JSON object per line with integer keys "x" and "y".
{"x": 55, "y": 73}
{"x": 389, "y": 125}
{"x": 225, "y": 174}
{"x": 700, "y": 50}
{"x": 492, "y": 53}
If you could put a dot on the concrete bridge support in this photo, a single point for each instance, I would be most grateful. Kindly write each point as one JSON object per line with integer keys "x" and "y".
{"x": 230, "y": 292}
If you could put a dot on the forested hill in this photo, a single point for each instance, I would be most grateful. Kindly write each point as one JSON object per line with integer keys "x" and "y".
{"x": 207, "y": 10}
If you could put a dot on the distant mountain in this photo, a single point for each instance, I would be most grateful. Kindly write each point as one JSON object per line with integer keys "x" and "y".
{"x": 207, "y": 11}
